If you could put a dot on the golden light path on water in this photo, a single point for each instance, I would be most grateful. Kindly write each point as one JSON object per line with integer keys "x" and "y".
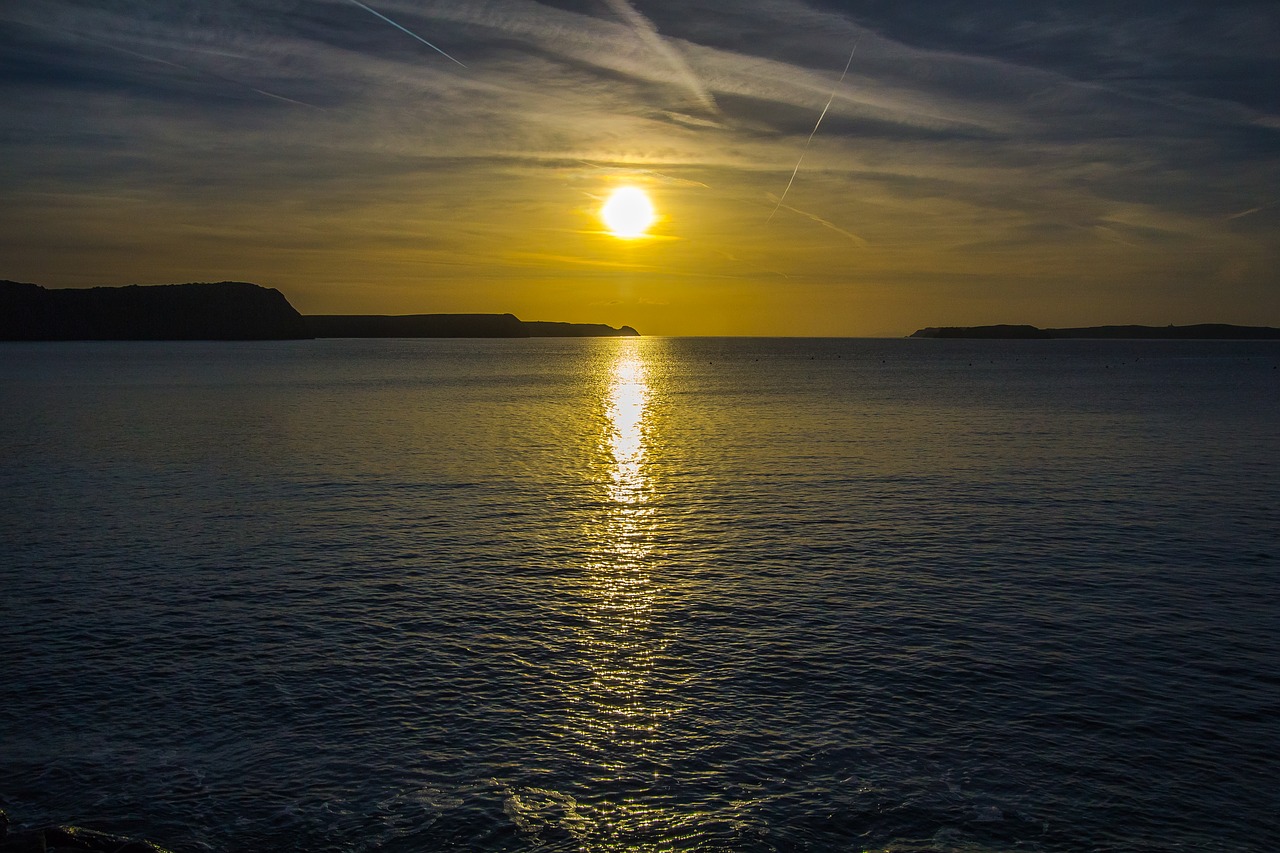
{"x": 625, "y": 405}
{"x": 619, "y": 703}
{"x": 619, "y": 728}
{"x": 624, "y": 734}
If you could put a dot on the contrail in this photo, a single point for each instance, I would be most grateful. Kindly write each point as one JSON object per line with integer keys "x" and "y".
{"x": 280, "y": 97}
{"x": 650, "y": 35}
{"x": 859, "y": 241}
{"x": 813, "y": 133}
{"x": 1242, "y": 214}
{"x": 189, "y": 69}
{"x": 406, "y": 30}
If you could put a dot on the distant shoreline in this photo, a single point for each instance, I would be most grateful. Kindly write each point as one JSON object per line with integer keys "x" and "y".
{"x": 235, "y": 311}
{"x": 451, "y": 326}
{"x": 1197, "y": 332}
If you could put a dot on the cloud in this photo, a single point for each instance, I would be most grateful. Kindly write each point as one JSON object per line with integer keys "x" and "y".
{"x": 959, "y": 124}
{"x": 650, "y": 35}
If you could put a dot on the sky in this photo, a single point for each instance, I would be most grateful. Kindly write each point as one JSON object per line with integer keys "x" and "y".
{"x": 991, "y": 161}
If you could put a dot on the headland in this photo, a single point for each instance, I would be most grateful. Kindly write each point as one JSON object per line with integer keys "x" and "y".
{"x": 234, "y": 310}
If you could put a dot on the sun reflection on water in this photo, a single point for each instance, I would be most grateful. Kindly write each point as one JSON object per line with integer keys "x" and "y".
{"x": 625, "y": 404}
{"x": 625, "y": 732}
{"x": 621, "y": 699}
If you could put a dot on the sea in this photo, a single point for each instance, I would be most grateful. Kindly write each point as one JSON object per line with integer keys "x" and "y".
{"x": 643, "y": 594}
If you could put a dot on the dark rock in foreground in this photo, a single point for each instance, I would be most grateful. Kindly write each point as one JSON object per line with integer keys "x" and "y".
{"x": 228, "y": 310}
{"x": 450, "y": 326}
{"x": 53, "y": 839}
{"x": 1199, "y": 332}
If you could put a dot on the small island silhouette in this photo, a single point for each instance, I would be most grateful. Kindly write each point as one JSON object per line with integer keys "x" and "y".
{"x": 234, "y": 310}
{"x": 1199, "y": 332}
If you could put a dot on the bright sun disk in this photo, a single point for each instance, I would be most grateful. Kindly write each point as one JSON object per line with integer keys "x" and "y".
{"x": 628, "y": 213}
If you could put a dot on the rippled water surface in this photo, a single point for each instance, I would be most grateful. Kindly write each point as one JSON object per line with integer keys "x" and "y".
{"x": 643, "y": 594}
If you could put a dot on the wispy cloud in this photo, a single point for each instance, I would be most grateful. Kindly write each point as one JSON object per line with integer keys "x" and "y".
{"x": 1040, "y": 137}
{"x": 551, "y": 261}
{"x": 650, "y": 35}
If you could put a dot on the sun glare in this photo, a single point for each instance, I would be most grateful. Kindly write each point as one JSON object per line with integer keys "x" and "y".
{"x": 628, "y": 213}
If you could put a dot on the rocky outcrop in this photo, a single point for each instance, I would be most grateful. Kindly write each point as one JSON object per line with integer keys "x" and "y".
{"x": 228, "y": 310}
{"x": 63, "y": 839}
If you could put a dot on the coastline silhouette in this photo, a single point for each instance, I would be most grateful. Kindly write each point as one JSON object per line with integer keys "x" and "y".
{"x": 234, "y": 310}
{"x": 1198, "y": 331}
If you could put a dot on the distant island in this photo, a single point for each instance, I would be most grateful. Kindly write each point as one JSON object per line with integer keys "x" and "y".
{"x": 1198, "y": 332}
{"x": 234, "y": 311}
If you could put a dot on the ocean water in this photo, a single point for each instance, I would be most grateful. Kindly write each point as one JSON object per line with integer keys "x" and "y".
{"x": 643, "y": 594}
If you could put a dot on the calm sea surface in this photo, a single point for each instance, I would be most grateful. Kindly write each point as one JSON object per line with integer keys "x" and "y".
{"x": 643, "y": 594}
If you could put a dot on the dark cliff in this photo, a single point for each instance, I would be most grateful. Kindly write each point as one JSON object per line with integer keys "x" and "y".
{"x": 233, "y": 310}
{"x": 228, "y": 310}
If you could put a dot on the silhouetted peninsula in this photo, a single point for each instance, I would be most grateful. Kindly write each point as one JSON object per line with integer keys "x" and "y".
{"x": 1199, "y": 332}
{"x": 234, "y": 310}
{"x": 415, "y": 326}
{"x": 227, "y": 310}
{"x": 451, "y": 326}
{"x": 543, "y": 329}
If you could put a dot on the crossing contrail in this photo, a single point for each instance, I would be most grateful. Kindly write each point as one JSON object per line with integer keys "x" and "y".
{"x": 812, "y": 133}
{"x": 859, "y": 241}
{"x": 649, "y": 35}
{"x": 406, "y": 30}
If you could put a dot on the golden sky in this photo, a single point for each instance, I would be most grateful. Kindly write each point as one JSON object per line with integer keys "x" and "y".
{"x": 1054, "y": 164}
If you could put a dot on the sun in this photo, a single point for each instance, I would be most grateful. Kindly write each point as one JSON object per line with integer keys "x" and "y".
{"x": 628, "y": 213}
